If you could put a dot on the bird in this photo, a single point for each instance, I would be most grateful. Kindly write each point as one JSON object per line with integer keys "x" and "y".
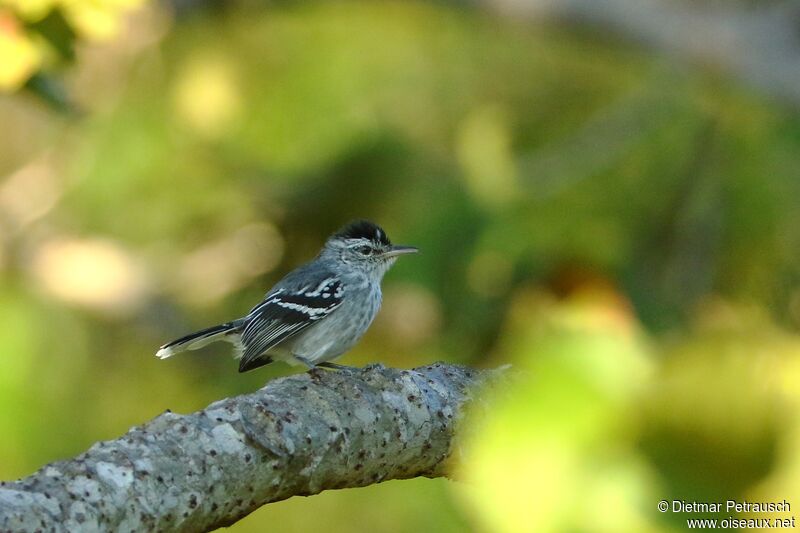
{"x": 316, "y": 312}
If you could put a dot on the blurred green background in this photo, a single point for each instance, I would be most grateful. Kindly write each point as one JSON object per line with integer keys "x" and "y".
{"x": 622, "y": 227}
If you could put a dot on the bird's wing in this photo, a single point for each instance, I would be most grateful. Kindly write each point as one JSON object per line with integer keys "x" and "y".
{"x": 285, "y": 312}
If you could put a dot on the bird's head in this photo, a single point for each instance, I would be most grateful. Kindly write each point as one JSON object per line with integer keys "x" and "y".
{"x": 364, "y": 246}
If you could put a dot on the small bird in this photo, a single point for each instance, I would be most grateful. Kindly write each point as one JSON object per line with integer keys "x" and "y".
{"x": 316, "y": 312}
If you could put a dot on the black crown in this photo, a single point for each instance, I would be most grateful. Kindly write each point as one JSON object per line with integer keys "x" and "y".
{"x": 363, "y": 229}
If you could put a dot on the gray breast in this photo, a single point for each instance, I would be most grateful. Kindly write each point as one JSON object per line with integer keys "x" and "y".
{"x": 337, "y": 333}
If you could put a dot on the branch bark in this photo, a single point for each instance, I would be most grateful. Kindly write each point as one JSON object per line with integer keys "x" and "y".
{"x": 298, "y": 435}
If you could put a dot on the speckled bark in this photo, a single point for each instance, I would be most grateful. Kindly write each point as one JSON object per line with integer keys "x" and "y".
{"x": 298, "y": 435}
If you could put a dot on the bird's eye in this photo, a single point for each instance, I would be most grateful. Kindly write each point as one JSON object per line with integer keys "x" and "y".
{"x": 364, "y": 250}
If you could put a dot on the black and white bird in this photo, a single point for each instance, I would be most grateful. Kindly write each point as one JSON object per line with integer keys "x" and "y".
{"x": 315, "y": 313}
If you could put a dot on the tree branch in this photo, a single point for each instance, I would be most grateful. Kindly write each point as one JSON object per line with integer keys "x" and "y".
{"x": 298, "y": 435}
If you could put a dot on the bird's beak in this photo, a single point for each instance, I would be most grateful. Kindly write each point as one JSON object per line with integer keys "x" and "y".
{"x": 394, "y": 251}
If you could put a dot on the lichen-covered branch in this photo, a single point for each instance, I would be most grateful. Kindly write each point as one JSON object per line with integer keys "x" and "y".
{"x": 298, "y": 435}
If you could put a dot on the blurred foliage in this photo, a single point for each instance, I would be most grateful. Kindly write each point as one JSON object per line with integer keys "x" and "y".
{"x": 624, "y": 230}
{"x": 601, "y": 424}
{"x": 38, "y": 36}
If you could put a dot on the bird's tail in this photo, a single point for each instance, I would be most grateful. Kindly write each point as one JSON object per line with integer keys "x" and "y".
{"x": 228, "y": 331}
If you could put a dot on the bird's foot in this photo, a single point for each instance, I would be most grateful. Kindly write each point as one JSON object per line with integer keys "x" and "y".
{"x": 325, "y": 365}
{"x": 337, "y": 367}
{"x": 309, "y": 365}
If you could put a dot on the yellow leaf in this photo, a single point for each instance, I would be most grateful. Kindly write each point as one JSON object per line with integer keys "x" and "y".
{"x": 20, "y": 56}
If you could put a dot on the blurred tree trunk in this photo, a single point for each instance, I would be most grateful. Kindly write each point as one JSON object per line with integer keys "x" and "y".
{"x": 756, "y": 42}
{"x": 298, "y": 435}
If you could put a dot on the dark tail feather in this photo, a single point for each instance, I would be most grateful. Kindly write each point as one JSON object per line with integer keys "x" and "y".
{"x": 257, "y": 362}
{"x": 198, "y": 339}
